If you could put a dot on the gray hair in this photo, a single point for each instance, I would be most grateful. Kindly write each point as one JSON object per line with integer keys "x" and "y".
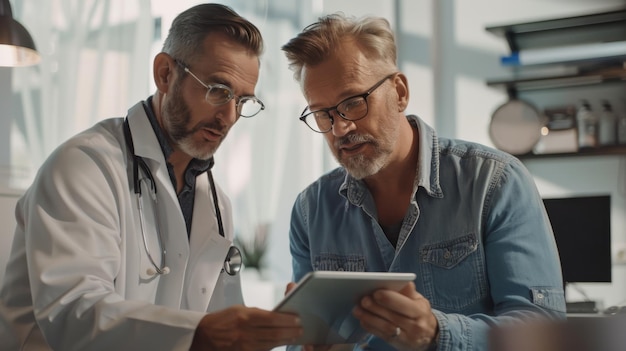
{"x": 317, "y": 41}
{"x": 189, "y": 29}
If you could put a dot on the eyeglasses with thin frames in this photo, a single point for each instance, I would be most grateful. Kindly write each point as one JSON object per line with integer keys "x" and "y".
{"x": 353, "y": 108}
{"x": 219, "y": 94}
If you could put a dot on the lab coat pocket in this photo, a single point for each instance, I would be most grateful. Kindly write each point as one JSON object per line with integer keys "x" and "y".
{"x": 206, "y": 265}
{"x": 227, "y": 292}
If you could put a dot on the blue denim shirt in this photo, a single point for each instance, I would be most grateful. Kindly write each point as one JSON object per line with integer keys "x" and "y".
{"x": 476, "y": 234}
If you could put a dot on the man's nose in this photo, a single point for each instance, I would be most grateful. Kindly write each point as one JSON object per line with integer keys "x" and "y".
{"x": 341, "y": 126}
{"x": 228, "y": 112}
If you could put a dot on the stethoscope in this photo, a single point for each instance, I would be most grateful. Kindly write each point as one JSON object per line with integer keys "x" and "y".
{"x": 233, "y": 261}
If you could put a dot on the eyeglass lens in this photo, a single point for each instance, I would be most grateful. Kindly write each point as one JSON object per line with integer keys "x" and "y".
{"x": 218, "y": 94}
{"x": 352, "y": 110}
{"x": 249, "y": 107}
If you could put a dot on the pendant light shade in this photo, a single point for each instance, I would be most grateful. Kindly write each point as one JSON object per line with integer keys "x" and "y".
{"x": 16, "y": 45}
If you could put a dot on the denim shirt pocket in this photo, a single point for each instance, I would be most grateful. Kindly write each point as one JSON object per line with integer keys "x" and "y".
{"x": 449, "y": 253}
{"x": 334, "y": 262}
{"x": 454, "y": 275}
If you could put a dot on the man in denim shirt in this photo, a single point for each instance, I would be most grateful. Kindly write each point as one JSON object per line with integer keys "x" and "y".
{"x": 466, "y": 219}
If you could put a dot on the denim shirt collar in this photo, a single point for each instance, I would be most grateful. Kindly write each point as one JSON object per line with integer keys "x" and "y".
{"x": 428, "y": 161}
{"x": 427, "y": 175}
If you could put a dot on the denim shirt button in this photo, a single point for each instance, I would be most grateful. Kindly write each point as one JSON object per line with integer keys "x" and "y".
{"x": 447, "y": 254}
{"x": 540, "y": 296}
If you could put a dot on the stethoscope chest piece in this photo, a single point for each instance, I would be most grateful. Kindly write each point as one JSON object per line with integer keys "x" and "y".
{"x": 233, "y": 261}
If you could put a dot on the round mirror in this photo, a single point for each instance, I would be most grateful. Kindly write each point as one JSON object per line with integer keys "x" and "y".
{"x": 515, "y": 127}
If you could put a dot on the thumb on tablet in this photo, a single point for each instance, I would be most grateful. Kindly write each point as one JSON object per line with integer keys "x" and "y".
{"x": 409, "y": 291}
{"x": 289, "y": 287}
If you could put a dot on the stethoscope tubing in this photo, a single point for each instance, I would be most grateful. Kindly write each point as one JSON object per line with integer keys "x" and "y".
{"x": 139, "y": 162}
{"x": 232, "y": 263}
{"x": 163, "y": 267}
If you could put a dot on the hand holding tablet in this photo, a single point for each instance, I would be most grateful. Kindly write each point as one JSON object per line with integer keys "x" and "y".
{"x": 324, "y": 301}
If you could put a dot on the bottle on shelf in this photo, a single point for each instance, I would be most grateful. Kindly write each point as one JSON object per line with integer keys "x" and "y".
{"x": 607, "y": 132}
{"x": 587, "y": 126}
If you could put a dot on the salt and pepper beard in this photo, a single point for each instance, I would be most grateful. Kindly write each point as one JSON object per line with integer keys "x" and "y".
{"x": 360, "y": 166}
{"x": 176, "y": 116}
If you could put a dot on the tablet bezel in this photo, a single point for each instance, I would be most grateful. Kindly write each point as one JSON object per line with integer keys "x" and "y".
{"x": 324, "y": 301}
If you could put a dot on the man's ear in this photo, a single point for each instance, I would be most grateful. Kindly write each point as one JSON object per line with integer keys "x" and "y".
{"x": 402, "y": 89}
{"x": 163, "y": 71}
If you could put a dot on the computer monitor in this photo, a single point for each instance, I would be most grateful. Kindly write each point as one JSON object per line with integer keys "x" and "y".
{"x": 582, "y": 229}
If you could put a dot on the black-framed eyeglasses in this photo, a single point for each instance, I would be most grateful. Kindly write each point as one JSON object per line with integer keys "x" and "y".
{"x": 219, "y": 94}
{"x": 353, "y": 108}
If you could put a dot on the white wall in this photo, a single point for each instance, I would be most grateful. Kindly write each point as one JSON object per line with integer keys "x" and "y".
{"x": 8, "y": 198}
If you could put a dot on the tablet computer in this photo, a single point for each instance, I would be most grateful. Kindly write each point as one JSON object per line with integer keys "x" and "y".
{"x": 324, "y": 301}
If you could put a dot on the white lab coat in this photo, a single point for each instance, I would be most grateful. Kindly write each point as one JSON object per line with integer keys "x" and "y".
{"x": 78, "y": 252}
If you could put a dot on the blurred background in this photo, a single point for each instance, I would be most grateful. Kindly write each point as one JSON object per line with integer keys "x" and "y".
{"x": 96, "y": 61}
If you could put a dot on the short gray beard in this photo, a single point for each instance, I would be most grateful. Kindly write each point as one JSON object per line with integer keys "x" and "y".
{"x": 187, "y": 146}
{"x": 359, "y": 166}
{"x": 176, "y": 115}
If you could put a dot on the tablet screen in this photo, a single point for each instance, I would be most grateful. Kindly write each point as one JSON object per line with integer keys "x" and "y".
{"x": 324, "y": 301}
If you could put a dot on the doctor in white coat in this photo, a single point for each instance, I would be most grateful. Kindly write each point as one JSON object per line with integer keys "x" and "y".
{"x": 89, "y": 270}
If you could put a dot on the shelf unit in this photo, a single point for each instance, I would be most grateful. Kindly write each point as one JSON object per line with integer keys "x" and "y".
{"x": 593, "y": 28}
{"x": 604, "y": 27}
{"x": 551, "y": 34}
{"x": 590, "y": 77}
{"x": 616, "y": 150}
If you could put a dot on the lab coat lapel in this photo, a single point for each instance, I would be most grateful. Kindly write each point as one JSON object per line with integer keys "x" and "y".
{"x": 208, "y": 248}
{"x": 173, "y": 228}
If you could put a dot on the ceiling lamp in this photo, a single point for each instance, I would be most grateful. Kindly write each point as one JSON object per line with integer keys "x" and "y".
{"x": 16, "y": 45}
